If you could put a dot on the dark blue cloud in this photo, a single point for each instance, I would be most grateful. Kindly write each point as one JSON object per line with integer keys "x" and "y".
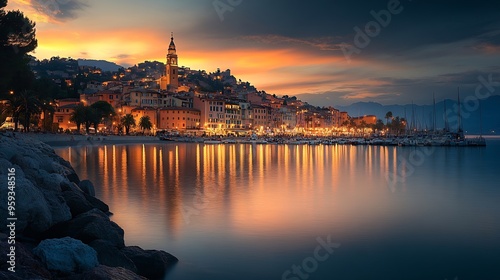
{"x": 419, "y": 24}
{"x": 60, "y": 10}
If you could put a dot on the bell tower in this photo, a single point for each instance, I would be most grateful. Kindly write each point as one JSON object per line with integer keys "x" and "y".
{"x": 172, "y": 68}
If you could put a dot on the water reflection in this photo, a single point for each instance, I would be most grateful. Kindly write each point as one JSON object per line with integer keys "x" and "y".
{"x": 208, "y": 203}
{"x": 230, "y": 182}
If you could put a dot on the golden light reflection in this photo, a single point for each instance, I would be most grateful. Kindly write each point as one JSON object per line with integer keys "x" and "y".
{"x": 103, "y": 151}
{"x": 245, "y": 186}
{"x": 114, "y": 162}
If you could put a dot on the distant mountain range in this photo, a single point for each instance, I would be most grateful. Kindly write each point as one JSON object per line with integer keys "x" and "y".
{"x": 102, "y": 64}
{"x": 421, "y": 116}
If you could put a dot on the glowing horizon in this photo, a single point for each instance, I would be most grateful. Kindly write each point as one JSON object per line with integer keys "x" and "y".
{"x": 273, "y": 54}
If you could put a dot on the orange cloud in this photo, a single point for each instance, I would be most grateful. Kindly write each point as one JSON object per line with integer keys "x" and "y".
{"x": 287, "y": 71}
{"x": 280, "y": 65}
{"x": 119, "y": 46}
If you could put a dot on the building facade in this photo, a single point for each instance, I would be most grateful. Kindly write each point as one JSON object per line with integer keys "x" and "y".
{"x": 179, "y": 118}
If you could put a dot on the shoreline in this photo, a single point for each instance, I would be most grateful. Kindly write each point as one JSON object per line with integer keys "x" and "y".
{"x": 64, "y": 140}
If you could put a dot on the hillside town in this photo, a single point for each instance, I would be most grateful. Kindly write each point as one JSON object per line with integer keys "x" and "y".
{"x": 153, "y": 97}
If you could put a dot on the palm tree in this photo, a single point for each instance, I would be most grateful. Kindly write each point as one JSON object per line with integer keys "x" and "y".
{"x": 388, "y": 116}
{"x": 379, "y": 125}
{"x": 145, "y": 123}
{"x": 128, "y": 121}
{"x": 25, "y": 104}
{"x": 15, "y": 102}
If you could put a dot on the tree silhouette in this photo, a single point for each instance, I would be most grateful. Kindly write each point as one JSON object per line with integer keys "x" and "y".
{"x": 78, "y": 116}
{"x": 102, "y": 111}
{"x": 128, "y": 121}
{"x": 388, "y": 116}
{"x": 145, "y": 123}
{"x": 48, "y": 113}
{"x": 17, "y": 39}
{"x": 24, "y": 105}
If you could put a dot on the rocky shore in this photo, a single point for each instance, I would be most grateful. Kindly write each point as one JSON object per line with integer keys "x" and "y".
{"x": 60, "y": 229}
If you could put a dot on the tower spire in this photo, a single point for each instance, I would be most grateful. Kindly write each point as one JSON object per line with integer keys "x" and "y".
{"x": 171, "y": 47}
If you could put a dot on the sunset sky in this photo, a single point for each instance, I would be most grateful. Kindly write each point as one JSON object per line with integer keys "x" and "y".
{"x": 288, "y": 46}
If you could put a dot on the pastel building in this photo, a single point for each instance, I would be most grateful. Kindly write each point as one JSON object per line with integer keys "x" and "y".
{"x": 179, "y": 118}
{"x": 213, "y": 115}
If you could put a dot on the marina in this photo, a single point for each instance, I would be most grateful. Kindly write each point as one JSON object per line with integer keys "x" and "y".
{"x": 443, "y": 140}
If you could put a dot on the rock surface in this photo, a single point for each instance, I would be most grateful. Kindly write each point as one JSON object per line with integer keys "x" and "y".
{"x": 111, "y": 256}
{"x": 76, "y": 202}
{"x": 152, "y": 264}
{"x": 27, "y": 266}
{"x": 90, "y": 226}
{"x": 63, "y": 231}
{"x": 66, "y": 255}
{"x": 87, "y": 187}
{"x": 109, "y": 273}
{"x": 40, "y": 172}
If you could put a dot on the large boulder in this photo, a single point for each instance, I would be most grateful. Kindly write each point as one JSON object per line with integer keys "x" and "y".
{"x": 39, "y": 204}
{"x": 90, "y": 226}
{"x": 152, "y": 264}
{"x": 97, "y": 203}
{"x": 58, "y": 208}
{"x": 36, "y": 211}
{"x": 111, "y": 256}
{"x": 35, "y": 157}
{"x": 87, "y": 187}
{"x": 32, "y": 209}
{"x": 77, "y": 202}
{"x": 66, "y": 255}
{"x": 48, "y": 181}
{"x": 103, "y": 272}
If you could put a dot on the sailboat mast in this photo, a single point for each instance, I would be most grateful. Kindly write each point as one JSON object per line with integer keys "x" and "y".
{"x": 406, "y": 120}
{"x": 480, "y": 120}
{"x": 459, "y": 112}
{"x": 446, "y": 125}
{"x": 434, "y": 114}
{"x": 412, "y": 117}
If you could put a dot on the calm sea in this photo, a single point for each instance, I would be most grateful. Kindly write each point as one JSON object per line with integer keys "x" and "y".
{"x": 305, "y": 212}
